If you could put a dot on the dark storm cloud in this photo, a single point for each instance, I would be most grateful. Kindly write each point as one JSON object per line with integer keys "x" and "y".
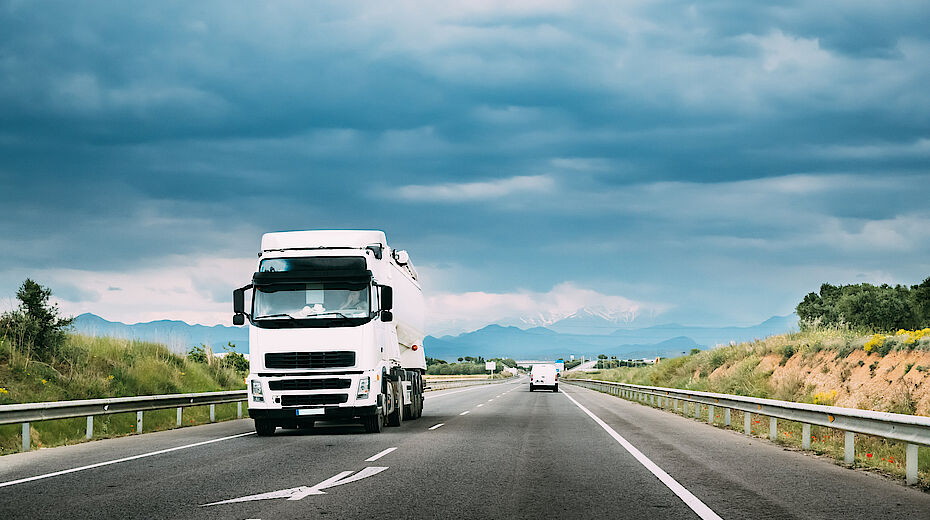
{"x": 131, "y": 133}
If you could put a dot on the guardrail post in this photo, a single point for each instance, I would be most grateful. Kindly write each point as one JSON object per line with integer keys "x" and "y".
{"x": 710, "y": 413}
{"x": 179, "y": 416}
{"x": 773, "y": 429}
{"x": 849, "y": 453}
{"x": 726, "y": 417}
{"x": 747, "y": 423}
{"x": 239, "y": 410}
{"x": 805, "y": 436}
{"x": 27, "y": 440}
{"x": 212, "y": 413}
{"x": 910, "y": 465}
{"x": 675, "y": 405}
{"x": 697, "y": 410}
{"x": 90, "y": 427}
{"x": 138, "y": 422}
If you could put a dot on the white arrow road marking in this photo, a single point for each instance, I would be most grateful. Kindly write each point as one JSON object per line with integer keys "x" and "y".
{"x": 298, "y": 493}
{"x": 316, "y": 490}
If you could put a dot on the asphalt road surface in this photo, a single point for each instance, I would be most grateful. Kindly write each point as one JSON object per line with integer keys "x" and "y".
{"x": 495, "y": 451}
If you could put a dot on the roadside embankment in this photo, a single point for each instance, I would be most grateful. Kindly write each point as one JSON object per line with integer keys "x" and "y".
{"x": 830, "y": 366}
{"x": 97, "y": 367}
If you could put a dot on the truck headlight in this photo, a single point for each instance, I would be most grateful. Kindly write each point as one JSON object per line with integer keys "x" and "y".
{"x": 363, "y": 387}
{"x": 257, "y": 391}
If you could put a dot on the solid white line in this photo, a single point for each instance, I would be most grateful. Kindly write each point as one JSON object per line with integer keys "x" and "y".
{"x": 465, "y": 412}
{"x": 124, "y": 459}
{"x": 686, "y": 496}
{"x": 379, "y": 455}
{"x": 433, "y": 427}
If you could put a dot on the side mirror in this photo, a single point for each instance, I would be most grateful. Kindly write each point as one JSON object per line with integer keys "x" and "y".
{"x": 238, "y": 319}
{"x": 387, "y": 298}
{"x": 239, "y": 302}
{"x": 387, "y": 316}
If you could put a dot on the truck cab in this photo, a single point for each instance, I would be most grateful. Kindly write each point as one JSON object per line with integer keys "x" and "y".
{"x": 335, "y": 331}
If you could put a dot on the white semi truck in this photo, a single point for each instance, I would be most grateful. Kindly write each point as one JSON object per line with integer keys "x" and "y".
{"x": 336, "y": 331}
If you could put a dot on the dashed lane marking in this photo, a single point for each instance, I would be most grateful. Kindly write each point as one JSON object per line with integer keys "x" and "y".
{"x": 465, "y": 412}
{"x": 380, "y": 454}
{"x": 433, "y": 427}
{"x": 480, "y": 405}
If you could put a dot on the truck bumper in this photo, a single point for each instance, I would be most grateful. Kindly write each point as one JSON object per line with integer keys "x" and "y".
{"x": 330, "y": 413}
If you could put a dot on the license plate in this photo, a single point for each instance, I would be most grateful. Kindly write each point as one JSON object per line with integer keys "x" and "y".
{"x": 311, "y": 411}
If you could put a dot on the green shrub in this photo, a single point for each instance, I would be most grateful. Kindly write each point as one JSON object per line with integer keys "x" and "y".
{"x": 35, "y": 327}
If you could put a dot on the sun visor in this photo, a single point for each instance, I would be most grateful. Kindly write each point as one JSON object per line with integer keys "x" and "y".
{"x": 312, "y": 275}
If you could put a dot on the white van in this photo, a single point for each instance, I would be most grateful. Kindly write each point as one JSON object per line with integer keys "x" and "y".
{"x": 544, "y": 376}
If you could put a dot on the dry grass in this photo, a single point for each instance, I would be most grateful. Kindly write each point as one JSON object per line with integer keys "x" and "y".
{"x": 96, "y": 367}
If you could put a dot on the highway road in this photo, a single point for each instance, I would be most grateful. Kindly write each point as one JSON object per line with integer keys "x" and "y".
{"x": 494, "y": 451}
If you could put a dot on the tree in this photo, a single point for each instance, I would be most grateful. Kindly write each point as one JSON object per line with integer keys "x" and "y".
{"x": 36, "y": 325}
{"x": 920, "y": 301}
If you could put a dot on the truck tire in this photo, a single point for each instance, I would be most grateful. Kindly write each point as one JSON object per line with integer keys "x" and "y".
{"x": 264, "y": 427}
{"x": 555, "y": 387}
{"x": 373, "y": 423}
{"x": 397, "y": 416}
{"x": 419, "y": 406}
{"x": 532, "y": 387}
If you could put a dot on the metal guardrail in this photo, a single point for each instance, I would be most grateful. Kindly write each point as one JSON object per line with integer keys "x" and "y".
{"x": 30, "y": 412}
{"x": 911, "y": 429}
{"x": 444, "y": 384}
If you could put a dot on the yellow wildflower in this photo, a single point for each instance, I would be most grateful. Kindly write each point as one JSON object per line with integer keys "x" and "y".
{"x": 110, "y": 377}
{"x": 876, "y": 341}
{"x": 827, "y": 398}
{"x": 44, "y": 381}
{"x": 4, "y": 391}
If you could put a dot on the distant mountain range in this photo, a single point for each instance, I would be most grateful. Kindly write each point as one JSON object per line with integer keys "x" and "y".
{"x": 572, "y": 337}
{"x": 179, "y": 336}
{"x": 659, "y": 340}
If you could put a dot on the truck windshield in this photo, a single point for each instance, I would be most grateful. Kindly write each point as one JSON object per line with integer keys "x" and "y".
{"x": 312, "y": 301}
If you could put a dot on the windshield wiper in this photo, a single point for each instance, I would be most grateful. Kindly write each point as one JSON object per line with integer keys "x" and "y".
{"x": 281, "y": 315}
{"x": 338, "y": 314}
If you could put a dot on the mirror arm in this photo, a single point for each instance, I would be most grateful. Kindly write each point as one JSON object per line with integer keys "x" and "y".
{"x": 243, "y": 289}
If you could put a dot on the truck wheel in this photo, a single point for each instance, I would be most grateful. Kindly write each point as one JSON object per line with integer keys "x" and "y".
{"x": 555, "y": 387}
{"x": 532, "y": 387}
{"x": 397, "y": 416}
{"x": 419, "y": 406}
{"x": 373, "y": 423}
{"x": 264, "y": 427}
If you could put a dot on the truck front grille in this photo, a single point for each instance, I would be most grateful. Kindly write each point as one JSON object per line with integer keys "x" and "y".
{"x": 309, "y": 384}
{"x": 332, "y": 359}
{"x": 314, "y": 399}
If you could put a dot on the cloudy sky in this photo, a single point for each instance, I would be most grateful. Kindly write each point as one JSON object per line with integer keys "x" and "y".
{"x": 704, "y": 163}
